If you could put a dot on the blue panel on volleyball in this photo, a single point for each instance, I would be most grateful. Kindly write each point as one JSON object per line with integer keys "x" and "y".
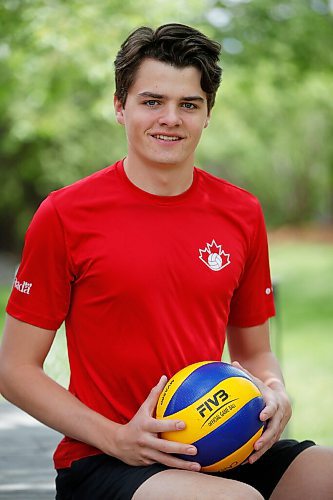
{"x": 199, "y": 382}
{"x": 232, "y": 435}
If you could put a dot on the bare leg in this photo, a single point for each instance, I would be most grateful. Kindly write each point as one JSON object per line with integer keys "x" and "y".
{"x": 310, "y": 476}
{"x": 177, "y": 484}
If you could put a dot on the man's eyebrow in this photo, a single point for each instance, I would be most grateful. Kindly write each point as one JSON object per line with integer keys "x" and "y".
{"x": 152, "y": 95}
{"x": 193, "y": 98}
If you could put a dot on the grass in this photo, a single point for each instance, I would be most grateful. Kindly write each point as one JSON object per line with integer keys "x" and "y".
{"x": 305, "y": 299}
{"x": 4, "y": 291}
{"x": 302, "y": 335}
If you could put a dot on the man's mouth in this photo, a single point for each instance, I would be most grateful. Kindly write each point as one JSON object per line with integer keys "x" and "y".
{"x": 169, "y": 138}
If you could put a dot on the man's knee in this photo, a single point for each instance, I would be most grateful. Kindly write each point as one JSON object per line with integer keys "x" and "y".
{"x": 219, "y": 489}
{"x": 235, "y": 490}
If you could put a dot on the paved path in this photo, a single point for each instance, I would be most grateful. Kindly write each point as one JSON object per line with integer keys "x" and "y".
{"x": 26, "y": 446}
{"x": 26, "y": 449}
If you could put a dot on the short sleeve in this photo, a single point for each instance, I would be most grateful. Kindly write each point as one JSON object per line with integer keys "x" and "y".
{"x": 253, "y": 302}
{"x": 42, "y": 285}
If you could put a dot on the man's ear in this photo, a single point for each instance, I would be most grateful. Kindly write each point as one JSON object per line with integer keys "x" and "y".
{"x": 119, "y": 110}
{"x": 207, "y": 121}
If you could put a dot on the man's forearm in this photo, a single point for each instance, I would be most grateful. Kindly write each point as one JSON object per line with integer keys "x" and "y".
{"x": 266, "y": 367}
{"x": 29, "y": 388}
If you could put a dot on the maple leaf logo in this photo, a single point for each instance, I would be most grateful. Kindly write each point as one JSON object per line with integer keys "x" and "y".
{"x": 214, "y": 257}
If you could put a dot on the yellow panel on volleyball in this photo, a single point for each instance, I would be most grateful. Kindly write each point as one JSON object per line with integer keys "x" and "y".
{"x": 225, "y": 399}
{"x": 173, "y": 384}
{"x": 235, "y": 458}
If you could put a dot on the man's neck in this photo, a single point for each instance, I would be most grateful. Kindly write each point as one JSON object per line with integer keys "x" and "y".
{"x": 161, "y": 180}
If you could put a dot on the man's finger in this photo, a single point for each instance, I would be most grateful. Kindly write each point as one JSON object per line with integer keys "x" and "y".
{"x": 154, "y": 394}
{"x": 157, "y": 426}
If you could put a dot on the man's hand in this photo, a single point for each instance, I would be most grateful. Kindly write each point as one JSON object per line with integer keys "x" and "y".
{"x": 138, "y": 441}
{"x": 276, "y": 413}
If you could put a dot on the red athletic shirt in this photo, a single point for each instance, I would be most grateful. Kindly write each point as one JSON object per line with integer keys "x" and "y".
{"x": 146, "y": 284}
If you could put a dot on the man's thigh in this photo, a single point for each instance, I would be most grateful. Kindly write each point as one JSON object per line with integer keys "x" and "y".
{"x": 245, "y": 481}
{"x": 104, "y": 477}
{"x": 265, "y": 473}
{"x": 175, "y": 484}
{"x": 309, "y": 476}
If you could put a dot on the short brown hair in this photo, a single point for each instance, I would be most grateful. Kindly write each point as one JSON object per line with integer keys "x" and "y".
{"x": 175, "y": 44}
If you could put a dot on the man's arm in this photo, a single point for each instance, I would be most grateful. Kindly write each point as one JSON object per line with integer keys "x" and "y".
{"x": 24, "y": 383}
{"x": 250, "y": 347}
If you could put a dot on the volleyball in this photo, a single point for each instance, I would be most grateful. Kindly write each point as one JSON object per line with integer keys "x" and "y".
{"x": 215, "y": 261}
{"x": 220, "y": 405}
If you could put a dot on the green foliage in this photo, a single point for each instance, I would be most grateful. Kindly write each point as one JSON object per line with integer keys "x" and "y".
{"x": 56, "y": 98}
{"x": 272, "y": 124}
{"x": 274, "y": 116}
{"x": 281, "y": 152}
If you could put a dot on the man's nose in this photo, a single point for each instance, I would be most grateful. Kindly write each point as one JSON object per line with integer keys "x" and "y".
{"x": 170, "y": 116}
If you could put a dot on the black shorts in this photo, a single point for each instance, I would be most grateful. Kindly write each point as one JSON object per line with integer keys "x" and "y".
{"x": 102, "y": 477}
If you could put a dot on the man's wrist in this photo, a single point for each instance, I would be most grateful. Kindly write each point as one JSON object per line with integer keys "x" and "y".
{"x": 276, "y": 384}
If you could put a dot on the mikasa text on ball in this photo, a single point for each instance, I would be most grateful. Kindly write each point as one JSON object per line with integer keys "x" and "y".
{"x": 220, "y": 406}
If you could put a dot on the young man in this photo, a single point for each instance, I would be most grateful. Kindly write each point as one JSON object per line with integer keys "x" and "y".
{"x": 123, "y": 258}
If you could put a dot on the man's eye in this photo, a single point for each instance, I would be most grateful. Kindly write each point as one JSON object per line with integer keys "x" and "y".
{"x": 188, "y": 105}
{"x": 151, "y": 103}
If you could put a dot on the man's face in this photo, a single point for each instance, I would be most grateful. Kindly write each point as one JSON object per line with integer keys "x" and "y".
{"x": 164, "y": 114}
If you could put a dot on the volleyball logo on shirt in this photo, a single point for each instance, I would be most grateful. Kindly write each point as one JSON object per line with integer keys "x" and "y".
{"x": 214, "y": 257}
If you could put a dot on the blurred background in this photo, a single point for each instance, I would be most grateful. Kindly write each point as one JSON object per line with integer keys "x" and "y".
{"x": 271, "y": 133}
